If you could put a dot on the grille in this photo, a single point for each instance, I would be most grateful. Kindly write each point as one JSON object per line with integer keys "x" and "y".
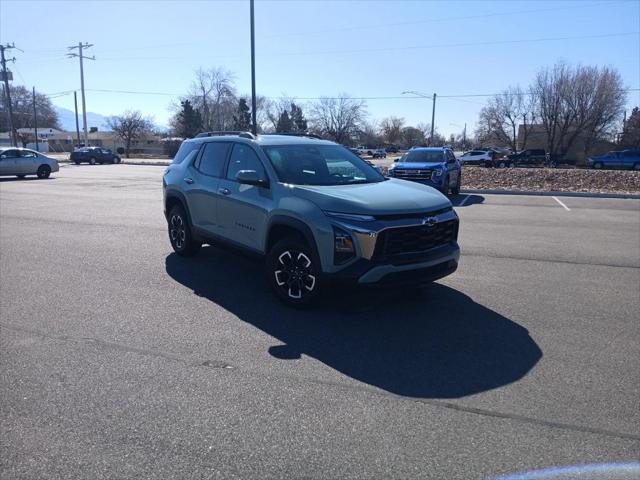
{"x": 413, "y": 174}
{"x": 416, "y": 239}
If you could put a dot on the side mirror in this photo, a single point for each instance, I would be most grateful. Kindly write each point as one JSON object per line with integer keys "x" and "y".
{"x": 250, "y": 177}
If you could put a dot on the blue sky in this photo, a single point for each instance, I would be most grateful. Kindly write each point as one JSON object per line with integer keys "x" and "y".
{"x": 311, "y": 49}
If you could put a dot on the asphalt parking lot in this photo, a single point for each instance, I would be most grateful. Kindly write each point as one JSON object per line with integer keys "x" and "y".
{"x": 119, "y": 359}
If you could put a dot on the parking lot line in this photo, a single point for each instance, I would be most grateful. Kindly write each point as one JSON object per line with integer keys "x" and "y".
{"x": 563, "y": 205}
{"x": 464, "y": 200}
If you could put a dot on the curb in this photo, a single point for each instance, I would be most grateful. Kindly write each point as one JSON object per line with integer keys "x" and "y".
{"x": 554, "y": 194}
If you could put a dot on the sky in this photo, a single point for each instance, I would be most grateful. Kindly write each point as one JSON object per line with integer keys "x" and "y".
{"x": 308, "y": 49}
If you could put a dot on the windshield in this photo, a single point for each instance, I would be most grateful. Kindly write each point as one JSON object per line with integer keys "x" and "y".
{"x": 422, "y": 156}
{"x": 320, "y": 165}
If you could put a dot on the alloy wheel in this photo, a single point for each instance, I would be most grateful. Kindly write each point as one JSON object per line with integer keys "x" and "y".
{"x": 294, "y": 274}
{"x": 177, "y": 231}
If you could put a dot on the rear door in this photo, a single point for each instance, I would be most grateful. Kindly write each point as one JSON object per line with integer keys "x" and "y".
{"x": 200, "y": 185}
{"x": 27, "y": 162}
{"x": 242, "y": 209}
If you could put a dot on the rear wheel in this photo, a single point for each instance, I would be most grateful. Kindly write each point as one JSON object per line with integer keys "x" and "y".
{"x": 115, "y": 160}
{"x": 455, "y": 190}
{"x": 512, "y": 165}
{"x": 20, "y": 176}
{"x": 502, "y": 165}
{"x": 636, "y": 166}
{"x": 294, "y": 273}
{"x": 43, "y": 171}
{"x": 445, "y": 185}
{"x": 77, "y": 162}
{"x": 180, "y": 234}
{"x": 92, "y": 161}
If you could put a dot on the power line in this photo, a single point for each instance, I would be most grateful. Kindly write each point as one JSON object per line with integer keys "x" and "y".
{"x": 438, "y": 20}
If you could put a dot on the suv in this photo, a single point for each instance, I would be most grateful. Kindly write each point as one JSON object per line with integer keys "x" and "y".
{"x": 433, "y": 166}
{"x": 624, "y": 159}
{"x": 529, "y": 157}
{"x": 379, "y": 153}
{"x": 94, "y": 155}
{"x": 483, "y": 158}
{"x": 314, "y": 210}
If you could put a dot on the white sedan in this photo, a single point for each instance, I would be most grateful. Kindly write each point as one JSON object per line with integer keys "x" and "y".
{"x": 22, "y": 162}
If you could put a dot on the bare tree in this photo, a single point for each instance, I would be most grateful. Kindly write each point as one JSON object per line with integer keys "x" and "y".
{"x": 213, "y": 94}
{"x": 505, "y": 114}
{"x": 338, "y": 118}
{"x": 130, "y": 127}
{"x": 391, "y": 129}
{"x": 368, "y": 134}
{"x": 581, "y": 101}
{"x": 22, "y": 105}
{"x": 413, "y": 137}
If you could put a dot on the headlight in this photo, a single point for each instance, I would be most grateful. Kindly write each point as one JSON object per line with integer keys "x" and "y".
{"x": 344, "y": 249}
{"x": 350, "y": 216}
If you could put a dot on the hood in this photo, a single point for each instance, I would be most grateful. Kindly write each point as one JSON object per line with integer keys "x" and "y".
{"x": 418, "y": 165}
{"x": 390, "y": 197}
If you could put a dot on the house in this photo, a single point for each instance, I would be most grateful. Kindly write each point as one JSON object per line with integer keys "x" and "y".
{"x": 66, "y": 141}
{"x": 537, "y": 138}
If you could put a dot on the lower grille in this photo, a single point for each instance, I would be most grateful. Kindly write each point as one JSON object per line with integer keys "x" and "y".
{"x": 416, "y": 239}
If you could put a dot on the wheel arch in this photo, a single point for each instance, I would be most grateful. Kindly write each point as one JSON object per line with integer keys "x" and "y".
{"x": 281, "y": 226}
{"x": 176, "y": 198}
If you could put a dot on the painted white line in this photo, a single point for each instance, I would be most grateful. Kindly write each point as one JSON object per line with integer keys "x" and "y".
{"x": 563, "y": 205}
{"x": 464, "y": 200}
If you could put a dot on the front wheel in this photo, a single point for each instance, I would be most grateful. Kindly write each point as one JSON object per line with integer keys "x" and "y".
{"x": 636, "y": 166}
{"x": 92, "y": 161}
{"x": 445, "y": 185}
{"x": 180, "y": 234}
{"x": 43, "y": 171}
{"x": 115, "y": 160}
{"x": 502, "y": 165}
{"x": 597, "y": 166}
{"x": 294, "y": 273}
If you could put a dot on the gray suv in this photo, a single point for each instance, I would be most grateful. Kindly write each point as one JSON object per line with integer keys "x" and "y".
{"x": 316, "y": 212}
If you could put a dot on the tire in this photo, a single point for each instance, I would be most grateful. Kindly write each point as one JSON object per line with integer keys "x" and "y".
{"x": 43, "y": 171}
{"x": 92, "y": 161}
{"x": 456, "y": 190}
{"x": 294, "y": 273}
{"x": 180, "y": 235}
{"x": 20, "y": 176}
{"x": 77, "y": 162}
{"x": 512, "y": 165}
{"x": 502, "y": 165}
{"x": 597, "y": 166}
{"x": 636, "y": 166}
{"x": 115, "y": 160}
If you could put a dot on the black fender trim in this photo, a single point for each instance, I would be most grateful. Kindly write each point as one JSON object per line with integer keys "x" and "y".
{"x": 302, "y": 227}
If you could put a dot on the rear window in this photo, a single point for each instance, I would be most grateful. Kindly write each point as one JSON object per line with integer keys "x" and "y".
{"x": 185, "y": 149}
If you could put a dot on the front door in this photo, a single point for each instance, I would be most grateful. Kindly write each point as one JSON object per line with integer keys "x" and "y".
{"x": 242, "y": 209}
{"x": 27, "y": 162}
{"x": 8, "y": 162}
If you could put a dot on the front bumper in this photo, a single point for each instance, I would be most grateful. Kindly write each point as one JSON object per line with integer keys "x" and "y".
{"x": 423, "y": 268}
{"x": 436, "y": 182}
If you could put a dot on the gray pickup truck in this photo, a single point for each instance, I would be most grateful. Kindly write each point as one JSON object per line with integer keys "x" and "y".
{"x": 316, "y": 212}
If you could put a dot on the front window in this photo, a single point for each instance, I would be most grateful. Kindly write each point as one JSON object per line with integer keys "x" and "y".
{"x": 320, "y": 165}
{"x": 422, "y": 156}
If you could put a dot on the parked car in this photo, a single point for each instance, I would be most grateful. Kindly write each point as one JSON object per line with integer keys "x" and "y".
{"x": 528, "y": 157}
{"x": 364, "y": 150}
{"x": 93, "y": 155}
{"x": 356, "y": 151}
{"x": 23, "y": 161}
{"x": 379, "y": 153}
{"x": 392, "y": 149}
{"x": 483, "y": 158}
{"x": 622, "y": 159}
{"x": 433, "y": 166}
{"x": 317, "y": 213}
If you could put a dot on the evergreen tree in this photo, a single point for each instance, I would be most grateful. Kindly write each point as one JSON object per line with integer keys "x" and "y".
{"x": 297, "y": 117}
{"x": 189, "y": 121}
{"x": 242, "y": 118}
{"x": 285, "y": 125}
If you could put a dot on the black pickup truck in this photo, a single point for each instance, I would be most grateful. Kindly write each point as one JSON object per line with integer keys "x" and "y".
{"x": 529, "y": 157}
{"x": 93, "y": 155}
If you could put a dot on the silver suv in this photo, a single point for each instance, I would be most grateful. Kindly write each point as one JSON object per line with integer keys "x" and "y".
{"x": 316, "y": 212}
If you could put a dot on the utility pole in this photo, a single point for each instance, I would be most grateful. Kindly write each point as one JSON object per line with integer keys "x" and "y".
{"x": 254, "y": 126}
{"x": 75, "y": 104}
{"x": 433, "y": 119}
{"x": 35, "y": 119}
{"x": 80, "y": 47}
{"x": 464, "y": 137}
{"x": 5, "y": 76}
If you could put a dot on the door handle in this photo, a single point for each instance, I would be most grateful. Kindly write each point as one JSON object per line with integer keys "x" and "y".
{"x": 188, "y": 180}
{"x": 225, "y": 191}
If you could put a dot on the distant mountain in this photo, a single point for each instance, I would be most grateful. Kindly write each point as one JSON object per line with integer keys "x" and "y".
{"x": 68, "y": 121}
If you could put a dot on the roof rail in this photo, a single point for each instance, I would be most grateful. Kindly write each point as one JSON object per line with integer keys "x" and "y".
{"x": 223, "y": 133}
{"x": 296, "y": 134}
